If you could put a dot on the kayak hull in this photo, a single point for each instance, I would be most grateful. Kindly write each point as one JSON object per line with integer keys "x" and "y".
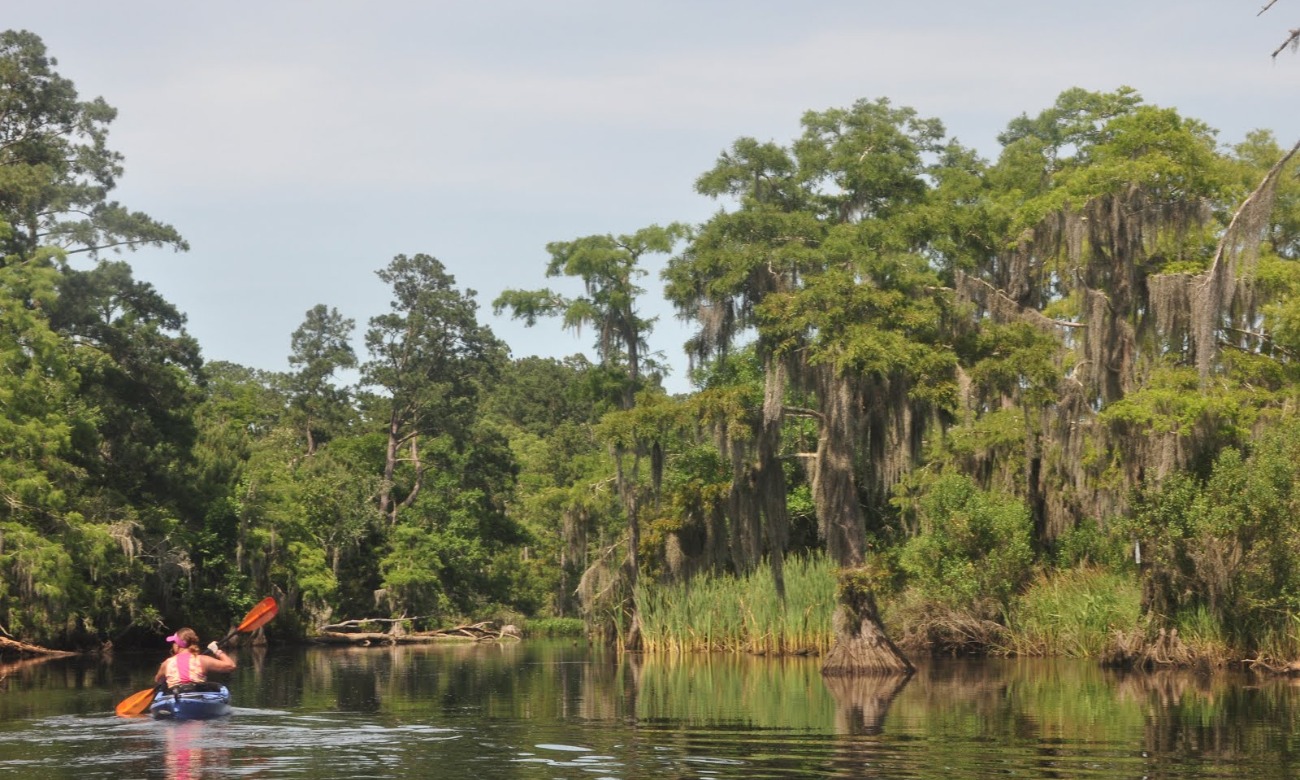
{"x": 191, "y": 704}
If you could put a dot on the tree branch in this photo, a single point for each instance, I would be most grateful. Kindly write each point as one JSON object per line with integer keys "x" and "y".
{"x": 802, "y": 411}
{"x": 1024, "y": 312}
{"x": 1264, "y": 340}
{"x": 1293, "y": 40}
{"x": 115, "y": 244}
{"x": 1238, "y": 216}
{"x": 419, "y": 477}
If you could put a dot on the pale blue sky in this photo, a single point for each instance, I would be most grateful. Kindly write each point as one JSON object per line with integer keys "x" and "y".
{"x": 300, "y": 145}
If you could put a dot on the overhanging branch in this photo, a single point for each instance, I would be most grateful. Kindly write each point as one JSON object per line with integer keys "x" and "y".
{"x": 1293, "y": 40}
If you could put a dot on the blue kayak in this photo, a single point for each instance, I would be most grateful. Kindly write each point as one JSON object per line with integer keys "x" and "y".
{"x": 192, "y": 702}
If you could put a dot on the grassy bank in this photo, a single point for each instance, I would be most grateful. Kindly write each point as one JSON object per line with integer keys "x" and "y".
{"x": 1081, "y": 612}
{"x": 742, "y": 614}
{"x": 1073, "y": 613}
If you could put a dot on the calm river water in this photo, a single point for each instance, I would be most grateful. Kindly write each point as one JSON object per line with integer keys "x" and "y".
{"x": 560, "y": 710}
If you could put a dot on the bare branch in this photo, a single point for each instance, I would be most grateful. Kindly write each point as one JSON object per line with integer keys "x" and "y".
{"x": 1240, "y": 215}
{"x": 1293, "y": 40}
{"x": 802, "y": 411}
{"x": 1264, "y": 339}
{"x": 114, "y": 245}
{"x": 1032, "y": 316}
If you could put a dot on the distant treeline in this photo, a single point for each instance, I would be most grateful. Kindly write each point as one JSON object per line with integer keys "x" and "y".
{"x": 1046, "y": 403}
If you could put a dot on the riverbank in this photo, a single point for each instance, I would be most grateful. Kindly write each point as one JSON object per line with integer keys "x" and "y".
{"x": 1085, "y": 612}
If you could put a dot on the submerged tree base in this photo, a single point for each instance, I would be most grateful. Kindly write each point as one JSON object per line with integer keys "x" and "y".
{"x": 863, "y": 649}
{"x": 861, "y": 646}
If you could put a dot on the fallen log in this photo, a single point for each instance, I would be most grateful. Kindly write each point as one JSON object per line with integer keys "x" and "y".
{"x": 1273, "y": 667}
{"x": 375, "y": 638}
{"x": 484, "y": 631}
{"x": 22, "y": 648}
{"x": 350, "y": 624}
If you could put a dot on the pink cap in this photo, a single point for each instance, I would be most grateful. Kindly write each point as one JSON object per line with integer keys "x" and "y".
{"x": 176, "y": 640}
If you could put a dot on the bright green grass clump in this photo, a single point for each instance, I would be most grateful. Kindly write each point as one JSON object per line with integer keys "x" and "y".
{"x": 742, "y": 614}
{"x": 1073, "y": 613}
{"x": 555, "y": 627}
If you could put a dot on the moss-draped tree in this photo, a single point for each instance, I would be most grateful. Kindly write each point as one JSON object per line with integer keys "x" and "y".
{"x": 1132, "y": 241}
{"x": 823, "y": 262}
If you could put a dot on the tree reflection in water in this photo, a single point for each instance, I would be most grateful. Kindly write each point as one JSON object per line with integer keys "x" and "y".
{"x": 862, "y": 701}
{"x": 387, "y": 712}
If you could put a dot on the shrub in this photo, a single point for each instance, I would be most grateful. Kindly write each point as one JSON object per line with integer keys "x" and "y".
{"x": 1221, "y": 552}
{"x": 974, "y": 546}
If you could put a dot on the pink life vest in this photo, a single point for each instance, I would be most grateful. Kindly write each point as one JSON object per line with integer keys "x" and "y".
{"x": 184, "y": 667}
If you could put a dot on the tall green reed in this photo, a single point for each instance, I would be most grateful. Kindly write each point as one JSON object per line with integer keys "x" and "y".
{"x": 742, "y": 614}
{"x": 1073, "y": 612}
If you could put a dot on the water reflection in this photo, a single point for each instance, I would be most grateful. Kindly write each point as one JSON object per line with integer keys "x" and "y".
{"x": 532, "y": 710}
{"x": 185, "y": 755}
{"x": 863, "y": 702}
{"x": 717, "y": 690}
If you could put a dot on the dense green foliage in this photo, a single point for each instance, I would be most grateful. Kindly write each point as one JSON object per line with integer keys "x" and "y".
{"x": 973, "y": 546}
{"x": 1005, "y": 396}
{"x": 1223, "y": 549}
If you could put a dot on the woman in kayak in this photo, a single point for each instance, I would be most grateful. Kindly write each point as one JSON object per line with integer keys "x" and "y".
{"x": 188, "y": 665}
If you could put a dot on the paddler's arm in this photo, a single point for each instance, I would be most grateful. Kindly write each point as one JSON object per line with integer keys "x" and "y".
{"x": 219, "y": 661}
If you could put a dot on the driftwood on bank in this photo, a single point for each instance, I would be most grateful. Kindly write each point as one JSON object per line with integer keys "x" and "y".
{"x": 350, "y": 632}
{"x": 1290, "y": 668}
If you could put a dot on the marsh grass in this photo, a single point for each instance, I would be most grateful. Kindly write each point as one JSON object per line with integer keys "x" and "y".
{"x": 742, "y": 614}
{"x": 1278, "y": 647}
{"x": 1073, "y": 613}
{"x": 1201, "y": 631}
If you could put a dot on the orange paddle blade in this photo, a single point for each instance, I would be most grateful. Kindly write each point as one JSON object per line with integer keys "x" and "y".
{"x": 259, "y": 615}
{"x": 136, "y": 703}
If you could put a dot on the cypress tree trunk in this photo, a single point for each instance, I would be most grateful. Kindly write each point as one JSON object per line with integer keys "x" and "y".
{"x": 771, "y": 475}
{"x": 861, "y": 646}
{"x": 632, "y": 566}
